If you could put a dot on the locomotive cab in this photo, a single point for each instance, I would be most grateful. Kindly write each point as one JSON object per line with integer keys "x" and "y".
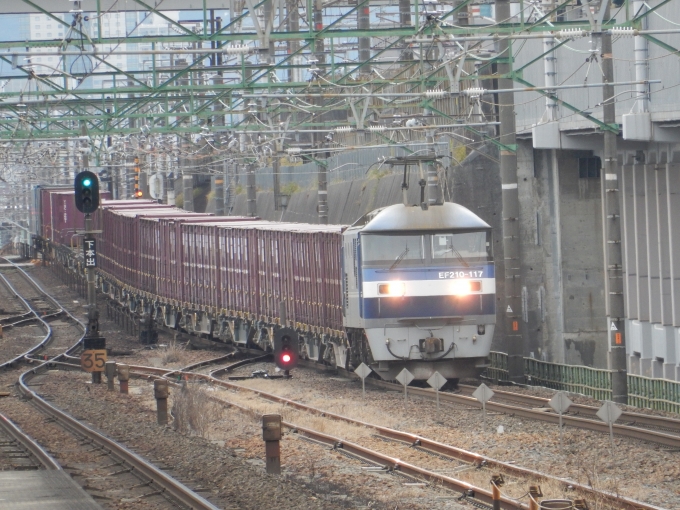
{"x": 420, "y": 290}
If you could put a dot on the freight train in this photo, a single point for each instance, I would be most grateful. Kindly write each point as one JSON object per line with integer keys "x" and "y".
{"x": 404, "y": 287}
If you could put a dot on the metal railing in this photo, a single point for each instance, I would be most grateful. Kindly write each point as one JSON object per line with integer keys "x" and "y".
{"x": 644, "y": 392}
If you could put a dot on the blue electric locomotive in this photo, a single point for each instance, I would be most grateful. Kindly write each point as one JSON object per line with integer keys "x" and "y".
{"x": 419, "y": 291}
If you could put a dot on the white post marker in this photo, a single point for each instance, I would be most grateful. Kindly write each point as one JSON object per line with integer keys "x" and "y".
{"x": 560, "y": 403}
{"x": 363, "y": 371}
{"x": 609, "y": 413}
{"x": 437, "y": 380}
{"x": 405, "y": 377}
{"x": 483, "y": 394}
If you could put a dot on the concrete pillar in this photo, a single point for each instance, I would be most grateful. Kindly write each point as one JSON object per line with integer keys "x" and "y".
{"x": 652, "y": 246}
{"x": 276, "y": 168}
{"x": 251, "y": 191}
{"x": 323, "y": 194}
{"x": 188, "y": 192}
{"x": 217, "y": 185}
{"x": 144, "y": 184}
{"x": 673, "y": 206}
{"x": 640, "y": 244}
{"x": 664, "y": 246}
{"x": 405, "y": 21}
{"x": 364, "y": 23}
{"x": 514, "y": 340}
{"x": 629, "y": 240}
{"x": 293, "y": 26}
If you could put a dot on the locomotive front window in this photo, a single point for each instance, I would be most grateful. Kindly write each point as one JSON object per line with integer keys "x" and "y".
{"x": 392, "y": 249}
{"x": 462, "y": 247}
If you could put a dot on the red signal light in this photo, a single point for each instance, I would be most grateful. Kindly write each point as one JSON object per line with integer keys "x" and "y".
{"x": 286, "y": 358}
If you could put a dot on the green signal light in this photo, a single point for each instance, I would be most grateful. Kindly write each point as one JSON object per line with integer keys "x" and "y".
{"x": 87, "y": 182}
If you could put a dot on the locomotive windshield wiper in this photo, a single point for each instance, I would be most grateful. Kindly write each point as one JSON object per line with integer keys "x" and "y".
{"x": 458, "y": 256}
{"x": 399, "y": 259}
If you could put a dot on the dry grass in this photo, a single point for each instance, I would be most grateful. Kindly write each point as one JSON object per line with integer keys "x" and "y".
{"x": 171, "y": 353}
{"x": 194, "y": 412}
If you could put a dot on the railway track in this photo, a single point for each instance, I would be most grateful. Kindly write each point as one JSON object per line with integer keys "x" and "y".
{"x": 118, "y": 467}
{"x": 543, "y": 413}
{"x": 19, "y": 452}
{"x": 629, "y": 418}
{"x": 420, "y": 450}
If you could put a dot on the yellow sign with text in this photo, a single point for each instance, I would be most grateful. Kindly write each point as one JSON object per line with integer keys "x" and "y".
{"x": 93, "y": 360}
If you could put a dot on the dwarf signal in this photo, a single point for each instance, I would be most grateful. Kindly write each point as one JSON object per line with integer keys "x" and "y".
{"x": 286, "y": 352}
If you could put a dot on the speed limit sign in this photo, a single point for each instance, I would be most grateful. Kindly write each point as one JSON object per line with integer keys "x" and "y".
{"x": 93, "y": 360}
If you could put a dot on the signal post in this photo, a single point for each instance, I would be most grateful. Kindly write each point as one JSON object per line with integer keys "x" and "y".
{"x": 93, "y": 357}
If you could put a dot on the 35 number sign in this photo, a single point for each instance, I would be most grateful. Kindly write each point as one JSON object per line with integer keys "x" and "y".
{"x": 93, "y": 360}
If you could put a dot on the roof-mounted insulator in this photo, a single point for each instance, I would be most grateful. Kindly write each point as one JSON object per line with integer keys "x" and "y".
{"x": 571, "y": 33}
{"x": 473, "y": 92}
{"x": 239, "y": 49}
{"x": 344, "y": 129}
{"x": 623, "y": 31}
{"x": 376, "y": 129}
{"x": 435, "y": 94}
{"x": 294, "y": 150}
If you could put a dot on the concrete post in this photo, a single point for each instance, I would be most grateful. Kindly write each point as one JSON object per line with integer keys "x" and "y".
{"x": 405, "y": 21}
{"x": 251, "y": 191}
{"x": 276, "y": 182}
{"x": 322, "y": 193}
{"x": 364, "y": 23}
{"x": 293, "y": 46}
{"x": 188, "y": 192}
{"x": 110, "y": 371}
{"x": 514, "y": 341}
{"x": 611, "y": 221}
{"x": 123, "y": 378}
{"x": 217, "y": 185}
{"x": 161, "y": 393}
{"x": 144, "y": 184}
{"x": 271, "y": 434}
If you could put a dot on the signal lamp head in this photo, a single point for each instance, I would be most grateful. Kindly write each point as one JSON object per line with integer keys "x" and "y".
{"x": 86, "y": 188}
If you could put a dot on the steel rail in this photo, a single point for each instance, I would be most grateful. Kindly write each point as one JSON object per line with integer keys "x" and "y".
{"x": 419, "y": 441}
{"x": 55, "y": 303}
{"x": 220, "y": 371}
{"x": 42, "y": 344}
{"x": 573, "y": 421}
{"x": 629, "y": 416}
{"x": 177, "y": 490}
{"x": 173, "y": 487}
{"x": 18, "y": 435}
{"x": 394, "y": 464}
{"x": 390, "y": 463}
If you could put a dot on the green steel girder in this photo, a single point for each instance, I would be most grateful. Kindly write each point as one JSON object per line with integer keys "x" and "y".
{"x": 614, "y": 128}
{"x": 508, "y": 28}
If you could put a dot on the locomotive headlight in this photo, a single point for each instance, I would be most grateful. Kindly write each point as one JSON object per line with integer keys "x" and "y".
{"x": 465, "y": 287}
{"x": 460, "y": 287}
{"x": 392, "y": 289}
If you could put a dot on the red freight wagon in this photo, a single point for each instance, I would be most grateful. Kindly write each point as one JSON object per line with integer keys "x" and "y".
{"x": 238, "y": 261}
{"x": 151, "y": 249}
{"x": 109, "y": 245}
{"x": 202, "y": 261}
{"x": 265, "y": 263}
{"x": 120, "y": 242}
{"x": 60, "y": 218}
{"x": 169, "y": 269}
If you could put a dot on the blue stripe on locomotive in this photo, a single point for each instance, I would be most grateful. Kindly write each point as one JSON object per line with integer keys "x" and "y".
{"x": 429, "y": 273}
{"x": 428, "y": 306}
